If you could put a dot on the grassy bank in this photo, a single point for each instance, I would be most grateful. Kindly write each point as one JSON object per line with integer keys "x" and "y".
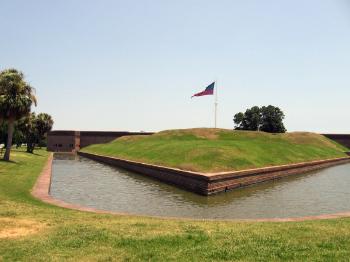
{"x": 34, "y": 231}
{"x": 210, "y": 150}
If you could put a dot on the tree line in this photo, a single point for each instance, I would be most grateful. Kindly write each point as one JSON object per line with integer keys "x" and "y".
{"x": 17, "y": 123}
{"x": 265, "y": 118}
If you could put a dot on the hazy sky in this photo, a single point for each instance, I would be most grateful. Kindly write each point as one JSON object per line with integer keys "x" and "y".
{"x": 133, "y": 65}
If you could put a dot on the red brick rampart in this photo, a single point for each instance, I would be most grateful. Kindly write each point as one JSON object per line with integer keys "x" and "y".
{"x": 211, "y": 183}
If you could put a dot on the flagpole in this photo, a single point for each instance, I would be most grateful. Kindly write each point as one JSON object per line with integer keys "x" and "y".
{"x": 216, "y": 102}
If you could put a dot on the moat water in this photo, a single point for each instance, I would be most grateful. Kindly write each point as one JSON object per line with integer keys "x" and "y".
{"x": 85, "y": 182}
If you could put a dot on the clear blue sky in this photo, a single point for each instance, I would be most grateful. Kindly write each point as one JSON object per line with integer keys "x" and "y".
{"x": 133, "y": 65}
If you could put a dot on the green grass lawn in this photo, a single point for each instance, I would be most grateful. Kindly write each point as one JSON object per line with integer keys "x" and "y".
{"x": 215, "y": 150}
{"x": 33, "y": 231}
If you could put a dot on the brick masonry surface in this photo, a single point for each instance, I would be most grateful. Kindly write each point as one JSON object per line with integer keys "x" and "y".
{"x": 72, "y": 141}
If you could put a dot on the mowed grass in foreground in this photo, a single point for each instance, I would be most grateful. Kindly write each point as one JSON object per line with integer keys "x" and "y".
{"x": 215, "y": 150}
{"x": 34, "y": 231}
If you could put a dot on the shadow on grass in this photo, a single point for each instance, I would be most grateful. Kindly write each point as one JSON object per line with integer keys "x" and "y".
{"x": 9, "y": 161}
{"x": 23, "y": 150}
{"x": 34, "y": 153}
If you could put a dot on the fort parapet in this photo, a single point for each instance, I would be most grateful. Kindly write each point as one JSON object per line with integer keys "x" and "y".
{"x": 342, "y": 139}
{"x": 72, "y": 141}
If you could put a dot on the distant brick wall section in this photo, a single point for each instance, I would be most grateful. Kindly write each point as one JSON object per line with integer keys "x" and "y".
{"x": 342, "y": 139}
{"x": 72, "y": 141}
{"x": 61, "y": 141}
{"x": 99, "y": 137}
{"x": 211, "y": 183}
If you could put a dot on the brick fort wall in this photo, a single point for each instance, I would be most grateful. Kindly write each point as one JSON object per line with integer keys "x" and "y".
{"x": 72, "y": 141}
{"x": 342, "y": 139}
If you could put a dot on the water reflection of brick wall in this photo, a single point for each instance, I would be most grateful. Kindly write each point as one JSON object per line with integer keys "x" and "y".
{"x": 69, "y": 141}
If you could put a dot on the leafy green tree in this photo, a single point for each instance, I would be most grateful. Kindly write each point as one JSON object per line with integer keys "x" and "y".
{"x": 272, "y": 120}
{"x": 239, "y": 120}
{"x": 16, "y": 99}
{"x": 250, "y": 120}
{"x": 267, "y": 119}
{"x": 34, "y": 128}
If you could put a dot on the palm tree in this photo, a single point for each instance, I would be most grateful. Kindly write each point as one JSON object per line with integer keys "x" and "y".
{"x": 16, "y": 99}
{"x": 44, "y": 123}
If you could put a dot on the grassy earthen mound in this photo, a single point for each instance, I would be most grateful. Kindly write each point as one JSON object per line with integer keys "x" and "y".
{"x": 217, "y": 150}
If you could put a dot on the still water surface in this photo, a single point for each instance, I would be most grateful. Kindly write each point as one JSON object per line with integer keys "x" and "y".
{"x": 85, "y": 182}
